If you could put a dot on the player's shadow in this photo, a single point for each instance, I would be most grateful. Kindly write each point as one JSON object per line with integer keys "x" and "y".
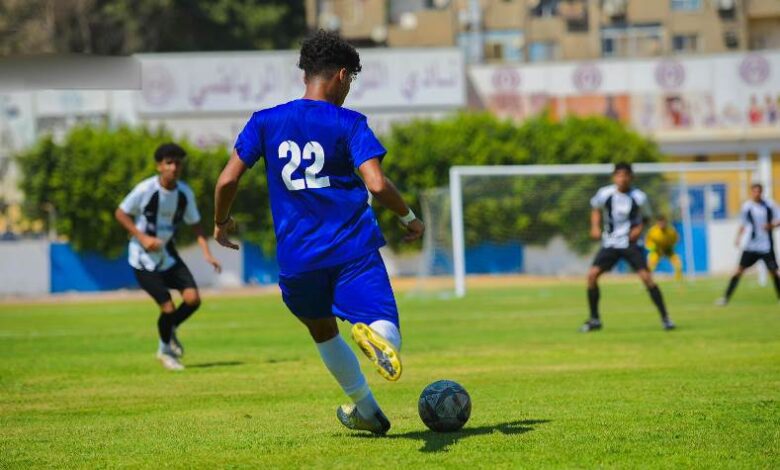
{"x": 442, "y": 441}
{"x": 205, "y": 365}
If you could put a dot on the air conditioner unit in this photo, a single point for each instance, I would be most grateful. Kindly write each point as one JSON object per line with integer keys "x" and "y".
{"x": 726, "y": 4}
{"x": 441, "y": 4}
{"x": 614, "y": 8}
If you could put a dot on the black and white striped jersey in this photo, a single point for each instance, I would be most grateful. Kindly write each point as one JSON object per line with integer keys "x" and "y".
{"x": 158, "y": 211}
{"x": 755, "y": 216}
{"x": 620, "y": 212}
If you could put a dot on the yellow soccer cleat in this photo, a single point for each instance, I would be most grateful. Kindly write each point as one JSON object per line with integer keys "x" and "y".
{"x": 378, "y": 350}
{"x": 348, "y": 416}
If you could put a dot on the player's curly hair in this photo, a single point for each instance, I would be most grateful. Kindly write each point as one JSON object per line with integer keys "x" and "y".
{"x": 324, "y": 53}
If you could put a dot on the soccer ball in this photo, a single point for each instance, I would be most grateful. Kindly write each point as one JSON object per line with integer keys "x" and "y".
{"x": 444, "y": 406}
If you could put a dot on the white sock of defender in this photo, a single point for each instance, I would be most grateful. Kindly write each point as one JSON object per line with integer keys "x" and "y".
{"x": 389, "y": 331}
{"x": 344, "y": 366}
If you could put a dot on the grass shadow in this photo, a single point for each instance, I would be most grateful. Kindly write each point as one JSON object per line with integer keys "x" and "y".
{"x": 442, "y": 441}
{"x": 205, "y": 365}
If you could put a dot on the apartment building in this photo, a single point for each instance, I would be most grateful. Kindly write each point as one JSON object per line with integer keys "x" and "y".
{"x": 551, "y": 30}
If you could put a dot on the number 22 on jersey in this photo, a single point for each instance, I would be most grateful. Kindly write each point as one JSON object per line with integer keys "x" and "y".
{"x": 312, "y": 150}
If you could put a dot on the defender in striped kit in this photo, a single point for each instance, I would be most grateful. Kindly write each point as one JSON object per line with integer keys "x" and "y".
{"x": 151, "y": 213}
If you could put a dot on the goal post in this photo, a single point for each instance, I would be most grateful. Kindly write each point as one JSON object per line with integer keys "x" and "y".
{"x": 679, "y": 172}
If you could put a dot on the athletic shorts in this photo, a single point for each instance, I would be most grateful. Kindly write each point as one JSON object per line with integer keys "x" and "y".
{"x": 749, "y": 258}
{"x": 157, "y": 283}
{"x": 607, "y": 258}
{"x": 356, "y": 291}
{"x": 667, "y": 252}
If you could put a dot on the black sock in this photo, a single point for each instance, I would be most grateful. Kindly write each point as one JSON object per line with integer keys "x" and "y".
{"x": 593, "y": 302}
{"x": 776, "y": 278}
{"x": 658, "y": 300}
{"x": 732, "y": 286}
{"x": 183, "y": 313}
{"x": 165, "y": 327}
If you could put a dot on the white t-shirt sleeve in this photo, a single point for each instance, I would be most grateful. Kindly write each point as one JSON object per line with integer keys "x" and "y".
{"x": 644, "y": 206}
{"x": 775, "y": 214}
{"x": 597, "y": 201}
{"x": 131, "y": 204}
{"x": 743, "y": 215}
{"x": 191, "y": 214}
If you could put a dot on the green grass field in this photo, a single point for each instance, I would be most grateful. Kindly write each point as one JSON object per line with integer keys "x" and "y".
{"x": 80, "y": 387}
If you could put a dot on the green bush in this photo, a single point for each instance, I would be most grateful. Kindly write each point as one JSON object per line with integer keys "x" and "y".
{"x": 420, "y": 154}
{"x": 86, "y": 176}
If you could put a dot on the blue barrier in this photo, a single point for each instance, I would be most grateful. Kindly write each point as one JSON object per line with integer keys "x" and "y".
{"x": 258, "y": 268}
{"x": 87, "y": 272}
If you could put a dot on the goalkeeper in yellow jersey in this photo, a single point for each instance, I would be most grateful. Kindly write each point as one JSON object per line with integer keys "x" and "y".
{"x": 660, "y": 242}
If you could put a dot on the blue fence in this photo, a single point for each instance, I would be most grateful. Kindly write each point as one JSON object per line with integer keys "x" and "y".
{"x": 71, "y": 271}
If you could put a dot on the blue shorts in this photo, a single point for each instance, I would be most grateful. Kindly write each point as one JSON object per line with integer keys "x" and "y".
{"x": 356, "y": 291}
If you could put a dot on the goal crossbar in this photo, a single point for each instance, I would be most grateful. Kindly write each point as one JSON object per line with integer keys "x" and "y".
{"x": 458, "y": 172}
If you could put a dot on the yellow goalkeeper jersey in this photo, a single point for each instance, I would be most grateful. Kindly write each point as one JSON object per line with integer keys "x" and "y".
{"x": 662, "y": 240}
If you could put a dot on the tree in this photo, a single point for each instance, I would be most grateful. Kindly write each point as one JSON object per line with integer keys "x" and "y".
{"x": 84, "y": 178}
{"x": 124, "y": 27}
{"x": 533, "y": 210}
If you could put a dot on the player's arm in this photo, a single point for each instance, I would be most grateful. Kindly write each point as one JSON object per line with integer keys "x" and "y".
{"x": 204, "y": 247}
{"x": 636, "y": 232}
{"x": 740, "y": 232}
{"x": 595, "y": 224}
{"x": 387, "y": 194}
{"x": 224, "y": 195}
{"x": 149, "y": 242}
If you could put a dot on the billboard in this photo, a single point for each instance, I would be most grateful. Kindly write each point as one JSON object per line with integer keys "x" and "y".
{"x": 669, "y": 93}
{"x": 241, "y": 82}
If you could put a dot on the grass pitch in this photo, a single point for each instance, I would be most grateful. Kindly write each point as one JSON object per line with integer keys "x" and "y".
{"x": 79, "y": 385}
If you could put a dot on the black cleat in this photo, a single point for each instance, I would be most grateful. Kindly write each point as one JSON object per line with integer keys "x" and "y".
{"x": 590, "y": 325}
{"x": 668, "y": 324}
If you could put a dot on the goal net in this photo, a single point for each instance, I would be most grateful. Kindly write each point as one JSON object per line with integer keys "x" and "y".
{"x": 495, "y": 221}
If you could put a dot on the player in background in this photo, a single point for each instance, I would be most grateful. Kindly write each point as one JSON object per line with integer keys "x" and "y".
{"x": 327, "y": 234}
{"x": 660, "y": 241}
{"x": 151, "y": 213}
{"x": 621, "y": 210}
{"x": 760, "y": 216}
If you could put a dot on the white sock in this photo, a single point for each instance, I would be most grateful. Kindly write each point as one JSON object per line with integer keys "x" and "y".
{"x": 389, "y": 331}
{"x": 344, "y": 366}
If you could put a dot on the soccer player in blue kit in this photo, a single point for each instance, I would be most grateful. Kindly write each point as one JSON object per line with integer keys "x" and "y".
{"x": 327, "y": 234}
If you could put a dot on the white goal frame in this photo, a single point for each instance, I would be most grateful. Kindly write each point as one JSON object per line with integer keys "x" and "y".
{"x": 763, "y": 172}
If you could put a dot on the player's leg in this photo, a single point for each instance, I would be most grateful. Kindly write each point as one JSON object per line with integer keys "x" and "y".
{"x": 747, "y": 260}
{"x": 309, "y": 297}
{"x": 771, "y": 265}
{"x": 653, "y": 258}
{"x": 363, "y": 296}
{"x": 603, "y": 262}
{"x": 633, "y": 256}
{"x": 154, "y": 284}
{"x": 180, "y": 278}
{"x": 676, "y": 261}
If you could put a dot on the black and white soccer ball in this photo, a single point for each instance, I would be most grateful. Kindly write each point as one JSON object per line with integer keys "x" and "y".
{"x": 444, "y": 406}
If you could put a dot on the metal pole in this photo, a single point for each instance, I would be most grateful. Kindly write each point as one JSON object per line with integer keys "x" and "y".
{"x": 458, "y": 238}
{"x": 685, "y": 209}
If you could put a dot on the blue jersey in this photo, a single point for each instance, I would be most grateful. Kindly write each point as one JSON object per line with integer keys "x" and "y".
{"x": 319, "y": 205}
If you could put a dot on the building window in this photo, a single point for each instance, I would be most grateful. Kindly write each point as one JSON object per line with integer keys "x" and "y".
{"x": 543, "y": 51}
{"x": 631, "y": 41}
{"x": 682, "y": 43}
{"x": 545, "y": 8}
{"x": 496, "y": 45}
{"x": 686, "y": 5}
{"x": 731, "y": 40}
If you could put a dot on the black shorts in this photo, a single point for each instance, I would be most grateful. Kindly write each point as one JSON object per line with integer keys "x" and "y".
{"x": 749, "y": 258}
{"x": 607, "y": 258}
{"x": 157, "y": 283}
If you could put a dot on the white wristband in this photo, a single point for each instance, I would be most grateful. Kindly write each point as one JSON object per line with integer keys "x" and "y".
{"x": 408, "y": 218}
